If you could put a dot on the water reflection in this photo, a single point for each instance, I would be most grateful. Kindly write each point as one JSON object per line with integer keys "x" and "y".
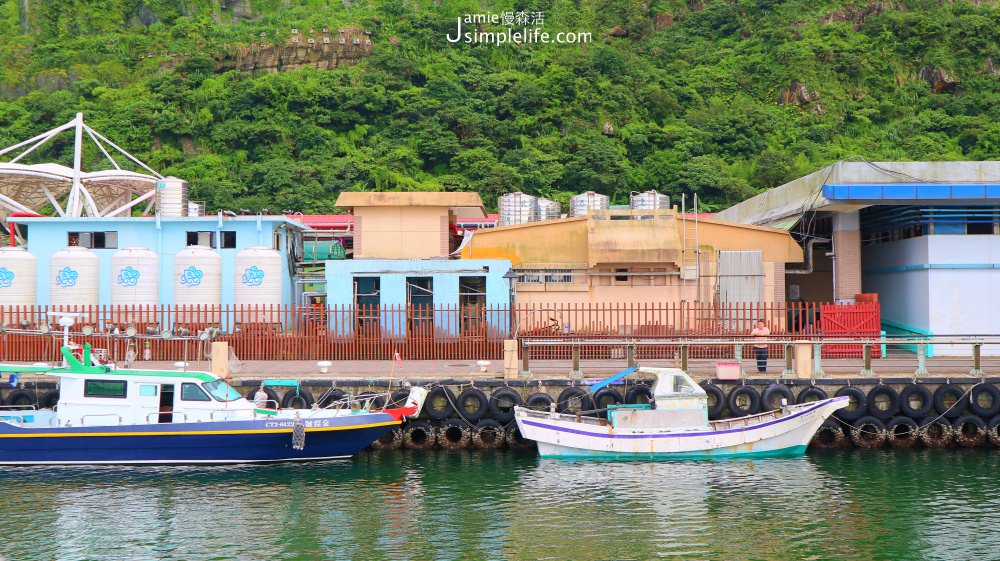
{"x": 416, "y": 506}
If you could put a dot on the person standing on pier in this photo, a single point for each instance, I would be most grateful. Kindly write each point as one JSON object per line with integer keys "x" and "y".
{"x": 760, "y": 335}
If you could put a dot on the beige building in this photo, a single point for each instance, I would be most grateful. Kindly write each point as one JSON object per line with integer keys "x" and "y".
{"x": 407, "y": 225}
{"x": 636, "y": 256}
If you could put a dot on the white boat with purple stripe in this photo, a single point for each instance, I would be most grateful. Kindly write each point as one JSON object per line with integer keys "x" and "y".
{"x": 674, "y": 425}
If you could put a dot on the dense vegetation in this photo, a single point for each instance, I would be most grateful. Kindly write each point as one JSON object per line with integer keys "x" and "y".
{"x": 683, "y": 97}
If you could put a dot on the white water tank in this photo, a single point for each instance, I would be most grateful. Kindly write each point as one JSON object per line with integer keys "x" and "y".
{"x": 172, "y": 196}
{"x": 649, "y": 200}
{"x": 198, "y": 284}
{"x": 580, "y": 204}
{"x": 517, "y": 208}
{"x": 135, "y": 277}
{"x": 258, "y": 280}
{"x": 74, "y": 278}
{"x": 17, "y": 280}
{"x": 548, "y": 210}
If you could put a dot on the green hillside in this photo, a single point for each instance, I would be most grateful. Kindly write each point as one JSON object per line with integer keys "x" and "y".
{"x": 719, "y": 98}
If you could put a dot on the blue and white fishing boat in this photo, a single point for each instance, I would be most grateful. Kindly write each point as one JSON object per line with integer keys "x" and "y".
{"x": 107, "y": 415}
{"x": 674, "y": 426}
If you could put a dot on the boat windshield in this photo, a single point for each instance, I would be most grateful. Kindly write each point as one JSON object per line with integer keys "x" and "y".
{"x": 221, "y": 391}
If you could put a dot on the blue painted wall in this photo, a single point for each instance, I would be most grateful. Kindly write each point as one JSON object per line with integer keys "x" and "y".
{"x": 164, "y": 236}
{"x": 392, "y": 276}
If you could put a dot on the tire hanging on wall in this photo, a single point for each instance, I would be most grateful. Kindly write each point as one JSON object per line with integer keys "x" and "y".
{"x": 438, "y": 404}
{"x": 273, "y": 399}
{"x": 391, "y": 440}
{"x": 868, "y": 432}
{"x": 502, "y": 404}
{"x": 330, "y": 396}
{"x": 830, "y": 436}
{"x": 984, "y": 400}
{"x": 514, "y": 439}
{"x": 639, "y": 394}
{"x": 574, "y": 399}
{"x": 770, "y": 398}
{"x": 603, "y": 398}
{"x": 418, "y": 435}
{"x": 454, "y": 434}
{"x": 488, "y": 435}
{"x": 993, "y": 430}
{"x": 539, "y": 401}
{"x": 743, "y": 401}
{"x": 860, "y": 404}
{"x": 969, "y": 431}
{"x": 915, "y": 401}
{"x": 902, "y": 432}
{"x": 472, "y": 404}
{"x": 374, "y": 401}
{"x": 950, "y": 400}
{"x": 883, "y": 395}
{"x": 398, "y": 398}
{"x": 811, "y": 394}
{"x": 49, "y": 399}
{"x": 935, "y": 432}
{"x": 716, "y": 400}
{"x": 21, "y": 397}
{"x": 297, "y": 398}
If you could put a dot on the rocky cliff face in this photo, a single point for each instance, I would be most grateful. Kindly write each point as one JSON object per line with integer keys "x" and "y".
{"x": 324, "y": 51}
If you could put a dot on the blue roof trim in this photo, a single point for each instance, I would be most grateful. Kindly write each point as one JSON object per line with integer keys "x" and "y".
{"x": 912, "y": 191}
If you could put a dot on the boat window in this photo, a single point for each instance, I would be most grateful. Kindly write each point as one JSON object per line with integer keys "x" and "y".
{"x": 191, "y": 392}
{"x": 147, "y": 390}
{"x": 104, "y": 388}
{"x": 683, "y": 385}
{"x": 221, "y": 391}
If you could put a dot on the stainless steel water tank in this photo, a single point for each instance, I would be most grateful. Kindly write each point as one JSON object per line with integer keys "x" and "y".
{"x": 580, "y": 204}
{"x": 648, "y": 200}
{"x": 517, "y": 208}
{"x": 549, "y": 210}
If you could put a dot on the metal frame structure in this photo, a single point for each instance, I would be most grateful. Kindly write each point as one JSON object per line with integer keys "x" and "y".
{"x": 73, "y": 192}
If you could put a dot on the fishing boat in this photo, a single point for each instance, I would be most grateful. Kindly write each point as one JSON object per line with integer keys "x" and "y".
{"x": 674, "y": 425}
{"x": 107, "y": 415}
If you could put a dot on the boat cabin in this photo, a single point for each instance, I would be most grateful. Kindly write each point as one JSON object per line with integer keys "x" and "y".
{"x": 678, "y": 400}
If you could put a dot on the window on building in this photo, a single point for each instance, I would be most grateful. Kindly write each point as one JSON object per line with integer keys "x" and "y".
{"x": 539, "y": 276}
{"x": 472, "y": 301}
{"x": 191, "y": 392}
{"x": 93, "y": 240}
{"x": 367, "y": 299}
{"x": 105, "y": 388}
{"x": 228, "y": 240}
{"x": 420, "y": 304}
{"x": 979, "y": 228}
{"x": 205, "y": 238}
{"x": 621, "y": 277}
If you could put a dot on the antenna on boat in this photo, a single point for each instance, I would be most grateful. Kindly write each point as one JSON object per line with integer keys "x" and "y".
{"x": 66, "y": 321}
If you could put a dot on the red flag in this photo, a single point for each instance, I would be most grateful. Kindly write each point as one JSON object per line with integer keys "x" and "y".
{"x": 399, "y": 360}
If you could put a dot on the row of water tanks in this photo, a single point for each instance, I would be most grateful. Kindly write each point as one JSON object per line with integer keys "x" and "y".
{"x": 520, "y": 208}
{"x": 135, "y": 277}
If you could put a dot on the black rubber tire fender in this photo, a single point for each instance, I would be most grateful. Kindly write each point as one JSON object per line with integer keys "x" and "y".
{"x": 992, "y": 431}
{"x": 439, "y": 403}
{"x": 858, "y": 398}
{"x": 377, "y": 401}
{"x": 574, "y": 399}
{"x": 488, "y": 434}
{"x": 935, "y": 432}
{"x": 331, "y": 395}
{"x": 21, "y": 397}
{"x": 391, "y": 440}
{"x": 297, "y": 398}
{"x": 891, "y": 399}
{"x": 539, "y": 401}
{"x": 472, "y": 404}
{"x": 986, "y": 412}
{"x": 419, "y": 435}
{"x": 715, "y": 410}
{"x": 770, "y": 398}
{"x": 915, "y": 401}
{"x": 454, "y": 434}
{"x": 812, "y": 393}
{"x": 604, "y": 397}
{"x": 49, "y": 399}
{"x": 830, "y": 436}
{"x": 514, "y": 439}
{"x": 639, "y": 394}
{"x": 868, "y": 432}
{"x": 398, "y": 398}
{"x": 941, "y": 405}
{"x": 502, "y": 404}
{"x": 969, "y": 430}
{"x": 273, "y": 399}
{"x": 902, "y": 432}
{"x": 749, "y": 393}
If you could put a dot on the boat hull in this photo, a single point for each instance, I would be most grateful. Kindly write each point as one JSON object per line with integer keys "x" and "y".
{"x": 788, "y": 435}
{"x": 230, "y": 442}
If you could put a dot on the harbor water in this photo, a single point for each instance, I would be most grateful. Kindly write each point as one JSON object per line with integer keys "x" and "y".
{"x": 855, "y": 505}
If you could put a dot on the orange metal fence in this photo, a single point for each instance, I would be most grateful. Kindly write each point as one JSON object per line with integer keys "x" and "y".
{"x": 416, "y": 332}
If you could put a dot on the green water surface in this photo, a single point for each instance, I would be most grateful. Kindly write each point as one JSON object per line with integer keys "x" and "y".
{"x": 911, "y": 505}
